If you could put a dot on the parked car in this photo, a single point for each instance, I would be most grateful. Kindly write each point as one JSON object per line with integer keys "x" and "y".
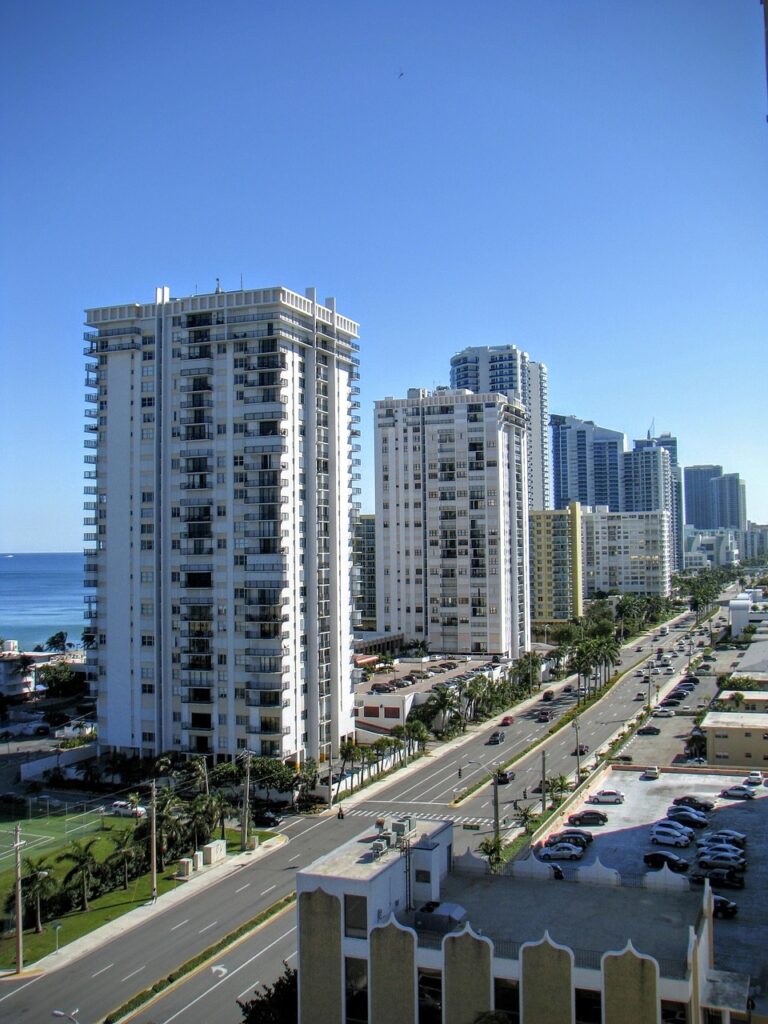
{"x": 738, "y": 793}
{"x": 660, "y": 858}
{"x": 588, "y": 817}
{"x": 663, "y": 713}
{"x": 651, "y": 772}
{"x": 496, "y": 737}
{"x": 678, "y": 826}
{"x": 695, "y": 802}
{"x": 564, "y": 851}
{"x": 728, "y": 834}
{"x": 266, "y": 819}
{"x": 568, "y": 833}
{"x": 722, "y": 907}
{"x": 582, "y": 748}
{"x": 714, "y": 848}
{"x": 648, "y": 730}
{"x": 668, "y": 837}
{"x": 754, "y": 779}
{"x": 124, "y": 809}
{"x": 722, "y": 860}
{"x": 687, "y": 817}
{"x": 723, "y": 878}
{"x": 607, "y": 796}
{"x": 566, "y": 837}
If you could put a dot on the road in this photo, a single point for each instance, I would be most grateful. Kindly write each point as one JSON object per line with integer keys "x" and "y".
{"x": 133, "y": 960}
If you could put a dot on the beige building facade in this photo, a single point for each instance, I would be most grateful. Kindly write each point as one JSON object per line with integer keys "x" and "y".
{"x": 737, "y": 738}
{"x": 556, "y": 565}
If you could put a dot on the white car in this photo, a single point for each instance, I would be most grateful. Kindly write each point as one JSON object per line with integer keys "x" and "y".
{"x": 668, "y": 837}
{"x": 566, "y": 851}
{"x": 123, "y": 809}
{"x": 678, "y": 826}
{"x": 607, "y": 796}
{"x": 754, "y": 779}
{"x": 663, "y": 713}
{"x": 738, "y": 793}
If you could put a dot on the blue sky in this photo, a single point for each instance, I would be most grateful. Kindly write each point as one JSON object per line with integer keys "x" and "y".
{"x": 586, "y": 179}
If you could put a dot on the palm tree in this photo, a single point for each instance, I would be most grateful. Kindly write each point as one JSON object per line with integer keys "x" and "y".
{"x": 200, "y": 819}
{"x": 445, "y": 704}
{"x": 492, "y": 847}
{"x": 167, "y": 806}
{"x": 221, "y": 808}
{"x": 124, "y": 852}
{"x": 381, "y": 746}
{"x": 526, "y": 817}
{"x": 89, "y": 772}
{"x": 397, "y": 732}
{"x": 57, "y": 642}
{"x": 84, "y": 865}
{"x": 38, "y": 885}
{"x": 417, "y": 733}
{"x": 114, "y": 763}
{"x": 558, "y": 786}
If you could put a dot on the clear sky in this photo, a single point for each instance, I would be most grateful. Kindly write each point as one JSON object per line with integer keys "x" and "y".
{"x": 587, "y": 179}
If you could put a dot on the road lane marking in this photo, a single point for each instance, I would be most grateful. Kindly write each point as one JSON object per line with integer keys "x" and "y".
{"x": 228, "y": 977}
{"x": 179, "y": 925}
{"x": 291, "y": 955}
{"x": 211, "y": 925}
{"x": 265, "y": 893}
{"x": 295, "y": 857}
{"x": 21, "y": 988}
{"x": 242, "y": 887}
{"x": 133, "y": 973}
{"x": 247, "y": 991}
{"x": 102, "y": 970}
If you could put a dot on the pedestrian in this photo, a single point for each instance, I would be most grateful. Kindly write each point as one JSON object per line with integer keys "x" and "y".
{"x": 340, "y": 814}
{"x": 154, "y": 894}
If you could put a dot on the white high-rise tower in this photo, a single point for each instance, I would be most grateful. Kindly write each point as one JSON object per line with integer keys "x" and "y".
{"x": 507, "y": 370}
{"x": 219, "y": 497}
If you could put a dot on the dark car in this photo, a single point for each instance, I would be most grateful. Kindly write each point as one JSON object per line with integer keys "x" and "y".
{"x": 571, "y": 837}
{"x": 686, "y": 817}
{"x": 648, "y": 730}
{"x": 548, "y": 695}
{"x": 658, "y": 859}
{"x": 504, "y": 775}
{"x": 692, "y": 679}
{"x": 587, "y": 817}
{"x": 723, "y": 878}
{"x": 496, "y": 737}
{"x": 582, "y": 748}
{"x": 724, "y": 907}
{"x": 568, "y": 833}
{"x": 695, "y": 802}
{"x": 266, "y": 819}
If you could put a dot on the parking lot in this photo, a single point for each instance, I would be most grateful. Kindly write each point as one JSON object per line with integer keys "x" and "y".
{"x": 625, "y": 839}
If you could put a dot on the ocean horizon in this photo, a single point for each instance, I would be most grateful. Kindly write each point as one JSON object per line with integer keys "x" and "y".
{"x": 41, "y": 593}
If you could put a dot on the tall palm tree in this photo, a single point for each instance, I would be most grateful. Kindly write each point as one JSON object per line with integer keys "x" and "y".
{"x": 417, "y": 733}
{"x": 38, "y": 885}
{"x": 445, "y": 704}
{"x": 167, "y": 808}
{"x": 397, "y": 732}
{"x": 221, "y": 808}
{"x": 124, "y": 852}
{"x": 80, "y": 854}
{"x": 200, "y": 819}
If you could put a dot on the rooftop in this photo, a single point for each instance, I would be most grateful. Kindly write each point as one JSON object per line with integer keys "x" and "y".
{"x": 357, "y": 859}
{"x": 735, "y": 720}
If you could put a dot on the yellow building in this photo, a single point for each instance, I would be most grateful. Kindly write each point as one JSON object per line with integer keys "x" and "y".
{"x": 738, "y": 738}
{"x": 556, "y": 560}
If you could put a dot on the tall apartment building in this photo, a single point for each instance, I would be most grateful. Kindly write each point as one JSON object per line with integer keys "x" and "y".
{"x": 587, "y": 463}
{"x": 729, "y": 501}
{"x": 669, "y": 443}
{"x": 556, "y": 565}
{"x": 452, "y": 520}
{"x": 649, "y": 485}
{"x": 508, "y": 370}
{"x": 699, "y": 496}
{"x": 365, "y": 558}
{"x": 219, "y": 500}
{"x": 625, "y": 552}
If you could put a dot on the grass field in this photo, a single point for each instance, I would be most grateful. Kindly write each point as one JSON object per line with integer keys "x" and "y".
{"x": 105, "y": 908}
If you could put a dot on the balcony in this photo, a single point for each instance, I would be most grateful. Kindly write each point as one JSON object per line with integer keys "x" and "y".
{"x": 197, "y": 663}
{"x": 197, "y": 697}
{"x": 268, "y": 729}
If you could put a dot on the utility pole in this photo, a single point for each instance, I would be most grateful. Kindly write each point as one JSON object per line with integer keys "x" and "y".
{"x": 246, "y": 802}
{"x": 153, "y": 838}
{"x": 543, "y": 782}
{"x": 17, "y": 845}
{"x": 330, "y": 782}
{"x": 496, "y": 830}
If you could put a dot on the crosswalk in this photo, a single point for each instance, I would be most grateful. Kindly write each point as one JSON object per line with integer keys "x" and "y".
{"x": 362, "y": 812}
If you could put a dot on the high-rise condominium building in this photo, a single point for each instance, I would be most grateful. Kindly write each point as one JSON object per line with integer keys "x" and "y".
{"x": 649, "y": 485}
{"x": 365, "y": 558}
{"x": 669, "y": 443}
{"x": 699, "y": 496}
{"x": 625, "y": 552}
{"x": 587, "y": 463}
{"x": 452, "y": 520}
{"x": 508, "y": 370}
{"x": 556, "y": 565}
{"x": 729, "y": 500}
{"x": 219, "y": 500}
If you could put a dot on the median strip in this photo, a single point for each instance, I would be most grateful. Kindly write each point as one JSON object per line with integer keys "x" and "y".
{"x": 200, "y": 960}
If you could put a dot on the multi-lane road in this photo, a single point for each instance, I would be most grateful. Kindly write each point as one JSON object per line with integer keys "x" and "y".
{"x": 130, "y": 961}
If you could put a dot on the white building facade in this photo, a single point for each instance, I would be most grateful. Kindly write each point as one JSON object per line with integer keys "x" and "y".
{"x": 452, "y": 521}
{"x": 219, "y": 495}
{"x": 625, "y": 552}
{"x": 508, "y": 370}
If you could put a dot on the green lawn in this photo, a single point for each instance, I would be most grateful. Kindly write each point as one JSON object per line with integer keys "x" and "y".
{"x": 105, "y": 908}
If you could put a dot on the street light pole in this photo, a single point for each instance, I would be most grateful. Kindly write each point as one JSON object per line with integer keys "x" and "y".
{"x": 153, "y": 838}
{"x": 575, "y": 725}
{"x": 17, "y": 845}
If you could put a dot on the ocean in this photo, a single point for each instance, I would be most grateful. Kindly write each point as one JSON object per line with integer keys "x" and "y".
{"x": 40, "y": 595}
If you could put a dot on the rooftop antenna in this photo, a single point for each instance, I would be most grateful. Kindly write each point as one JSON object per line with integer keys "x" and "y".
{"x": 218, "y": 286}
{"x": 241, "y": 280}
{"x": 652, "y": 430}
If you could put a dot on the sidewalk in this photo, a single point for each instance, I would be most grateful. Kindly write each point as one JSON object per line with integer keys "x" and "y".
{"x": 140, "y": 915}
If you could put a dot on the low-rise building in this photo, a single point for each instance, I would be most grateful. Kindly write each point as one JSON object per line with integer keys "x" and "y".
{"x": 745, "y": 700}
{"x": 749, "y": 608}
{"x": 392, "y": 929}
{"x": 737, "y": 738}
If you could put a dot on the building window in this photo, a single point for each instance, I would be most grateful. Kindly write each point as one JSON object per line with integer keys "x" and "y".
{"x": 425, "y": 877}
{"x": 147, "y": 737}
{"x": 355, "y": 916}
{"x": 506, "y": 999}
{"x": 356, "y": 989}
